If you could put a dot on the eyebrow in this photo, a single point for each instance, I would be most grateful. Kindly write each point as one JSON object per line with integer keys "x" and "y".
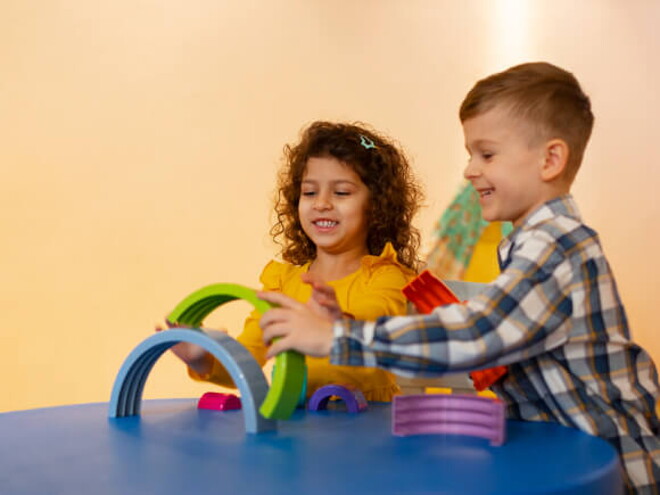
{"x": 483, "y": 142}
{"x": 333, "y": 182}
{"x": 480, "y": 143}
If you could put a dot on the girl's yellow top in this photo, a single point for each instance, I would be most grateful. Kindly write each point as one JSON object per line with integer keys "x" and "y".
{"x": 371, "y": 291}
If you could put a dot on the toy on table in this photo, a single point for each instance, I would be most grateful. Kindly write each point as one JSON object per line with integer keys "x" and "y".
{"x": 303, "y": 391}
{"x": 451, "y": 413}
{"x": 427, "y": 292}
{"x": 289, "y": 375}
{"x": 217, "y": 401}
{"x": 276, "y": 402}
{"x": 242, "y": 367}
{"x": 352, "y": 396}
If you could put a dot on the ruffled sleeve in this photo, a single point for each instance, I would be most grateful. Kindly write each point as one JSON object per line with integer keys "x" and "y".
{"x": 387, "y": 257}
{"x": 272, "y": 275}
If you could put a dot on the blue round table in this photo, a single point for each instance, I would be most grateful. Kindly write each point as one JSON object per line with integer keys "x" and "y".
{"x": 174, "y": 448}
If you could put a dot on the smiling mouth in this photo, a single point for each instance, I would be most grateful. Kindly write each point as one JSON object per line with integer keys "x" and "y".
{"x": 485, "y": 192}
{"x": 325, "y": 224}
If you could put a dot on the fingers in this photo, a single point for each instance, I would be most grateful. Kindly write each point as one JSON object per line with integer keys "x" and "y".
{"x": 277, "y": 347}
{"x": 325, "y": 300}
{"x": 273, "y": 324}
{"x": 326, "y": 297}
{"x": 174, "y": 324}
{"x": 272, "y": 316}
{"x": 318, "y": 285}
{"x": 279, "y": 299}
{"x": 321, "y": 290}
{"x": 325, "y": 290}
{"x": 311, "y": 279}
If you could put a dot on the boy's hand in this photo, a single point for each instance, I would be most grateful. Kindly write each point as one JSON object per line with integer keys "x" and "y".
{"x": 305, "y": 328}
{"x": 324, "y": 298}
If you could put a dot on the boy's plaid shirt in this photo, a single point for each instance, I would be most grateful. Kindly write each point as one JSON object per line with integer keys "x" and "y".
{"x": 554, "y": 316}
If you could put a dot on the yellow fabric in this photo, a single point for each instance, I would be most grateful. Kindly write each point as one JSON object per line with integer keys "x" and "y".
{"x": 373, "y": 290}
{"x": 483, "y": 265}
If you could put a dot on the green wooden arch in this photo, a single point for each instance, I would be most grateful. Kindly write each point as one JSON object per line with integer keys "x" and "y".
{"x": 290, "y": 372}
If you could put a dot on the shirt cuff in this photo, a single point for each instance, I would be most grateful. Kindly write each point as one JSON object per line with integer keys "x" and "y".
{"x": 351, "y": 343}
{"x": 362, "y": 331}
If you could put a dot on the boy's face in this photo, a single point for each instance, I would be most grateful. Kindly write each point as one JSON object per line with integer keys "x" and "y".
{"x": 504, "y": 166}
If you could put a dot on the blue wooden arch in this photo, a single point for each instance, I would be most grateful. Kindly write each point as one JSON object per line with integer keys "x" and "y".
{"x": 242, "y": 367}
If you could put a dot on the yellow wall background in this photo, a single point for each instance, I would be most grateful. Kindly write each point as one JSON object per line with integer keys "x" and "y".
{"x": 139, "y": 142}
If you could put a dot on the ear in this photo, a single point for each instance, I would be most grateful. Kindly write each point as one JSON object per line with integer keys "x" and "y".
{"x": 554, "y": 160}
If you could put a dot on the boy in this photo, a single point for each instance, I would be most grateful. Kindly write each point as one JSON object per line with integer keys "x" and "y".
{"x": 553, "y": 315}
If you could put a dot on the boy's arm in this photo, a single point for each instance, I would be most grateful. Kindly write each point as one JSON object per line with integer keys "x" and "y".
{"x": 526, "y": 311}
{"x": 293, "y": 319}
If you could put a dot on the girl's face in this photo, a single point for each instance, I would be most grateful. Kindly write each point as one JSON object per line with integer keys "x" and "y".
{"x": 333, "y": 207}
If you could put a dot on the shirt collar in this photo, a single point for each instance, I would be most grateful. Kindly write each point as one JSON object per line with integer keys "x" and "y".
{"x": 561, "y": 206}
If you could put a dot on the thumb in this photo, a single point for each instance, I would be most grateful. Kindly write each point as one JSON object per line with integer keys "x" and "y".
{"x": 277, "y": 347}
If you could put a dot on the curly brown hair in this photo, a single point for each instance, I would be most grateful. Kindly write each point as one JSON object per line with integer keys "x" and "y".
{"x": 394, "y": 199}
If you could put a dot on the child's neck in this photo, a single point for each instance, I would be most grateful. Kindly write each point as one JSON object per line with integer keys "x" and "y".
{"x": 331, "y": 266}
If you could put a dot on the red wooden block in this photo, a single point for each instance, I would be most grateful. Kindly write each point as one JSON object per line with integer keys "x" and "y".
{"x": 427, "y": 292}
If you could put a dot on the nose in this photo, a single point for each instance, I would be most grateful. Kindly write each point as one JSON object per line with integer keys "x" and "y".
{"x": 322, "y": 202}
{"x": 471, "y": 170}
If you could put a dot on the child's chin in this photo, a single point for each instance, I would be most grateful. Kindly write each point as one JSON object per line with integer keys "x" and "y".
{"x": 489, "y": 216}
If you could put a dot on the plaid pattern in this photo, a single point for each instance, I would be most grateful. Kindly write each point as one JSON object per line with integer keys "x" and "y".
{"x": 554, "y": 316}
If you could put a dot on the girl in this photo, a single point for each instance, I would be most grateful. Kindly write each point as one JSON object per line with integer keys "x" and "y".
{"x": 346, "y": 198}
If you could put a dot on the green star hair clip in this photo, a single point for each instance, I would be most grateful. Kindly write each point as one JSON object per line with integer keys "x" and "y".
{"x": 367, "y": 143}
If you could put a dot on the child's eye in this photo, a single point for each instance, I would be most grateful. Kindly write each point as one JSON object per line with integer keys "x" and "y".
{"x": 343, "y": 193}
{"x": 308, "y": 193}
{"x": 487, "y": 155}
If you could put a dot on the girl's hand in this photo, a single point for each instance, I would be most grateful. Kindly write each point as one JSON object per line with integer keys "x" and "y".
{"x": 306, "y": 328}
{"x": 191, "y": 354}
{"x": 194, "y": 356}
